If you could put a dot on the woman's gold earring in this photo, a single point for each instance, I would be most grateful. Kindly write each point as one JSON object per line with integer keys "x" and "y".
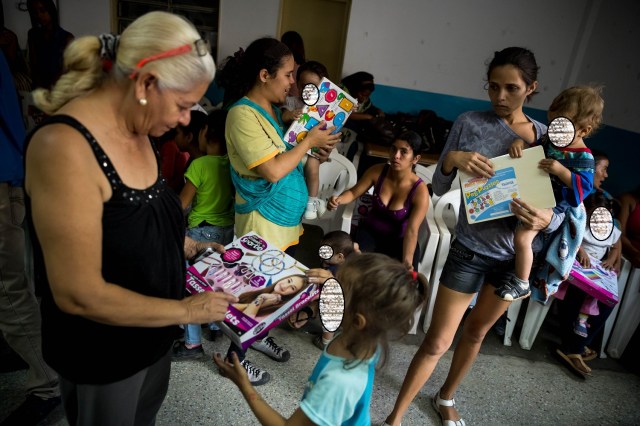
{"x": 142, "y": 101}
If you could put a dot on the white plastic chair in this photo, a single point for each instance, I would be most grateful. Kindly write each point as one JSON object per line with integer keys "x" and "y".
{"x": 626, "y": 315}
{"x": 537, "y": 312}
{"x": 428, "y": 238}
{"x": 449, "y": 202}
{"x": 335, "y": 176}
{"x": 349, "y": 137}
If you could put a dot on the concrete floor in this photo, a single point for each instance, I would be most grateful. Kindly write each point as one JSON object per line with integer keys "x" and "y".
{"x": 506, "y": 386}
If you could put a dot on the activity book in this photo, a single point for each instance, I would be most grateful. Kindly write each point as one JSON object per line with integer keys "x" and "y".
{"x": 333, "y": 105}
{"x": 488, "y": 199}
{"x": 252, "y": 264}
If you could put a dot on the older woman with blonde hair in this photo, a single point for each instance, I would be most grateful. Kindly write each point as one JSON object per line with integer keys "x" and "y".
{"x": 111, "y": 232}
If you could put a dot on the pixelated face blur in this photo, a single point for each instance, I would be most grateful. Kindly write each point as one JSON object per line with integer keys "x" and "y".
{"x": 289, "y": 285}
{"x": 401, "y": 155}
{"x": 578, "y": 129}
{"x": 336, "y": 259}
{"x": 278, "y": 85}
{"x": 601, "y": 172}
{"x": 308, "y": 77}
{"x": 507, "y": 90}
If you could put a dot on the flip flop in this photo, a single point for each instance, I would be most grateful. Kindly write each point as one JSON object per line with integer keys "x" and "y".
{"x": 589, "y": 354}
{"x": 581, "y": 369}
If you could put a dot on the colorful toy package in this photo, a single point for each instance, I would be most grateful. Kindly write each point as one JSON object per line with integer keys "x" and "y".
{"x": 269, "y": 284}
{"x": 596, "y": 281}
{"x": 334, "y": 106}
{"x": 488, "y": 199}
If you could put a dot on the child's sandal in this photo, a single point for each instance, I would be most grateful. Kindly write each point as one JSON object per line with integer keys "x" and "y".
{"x": 438, "y": 402}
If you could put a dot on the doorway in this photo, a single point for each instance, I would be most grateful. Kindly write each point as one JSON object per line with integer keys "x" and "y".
{"x": 323, "y": 25}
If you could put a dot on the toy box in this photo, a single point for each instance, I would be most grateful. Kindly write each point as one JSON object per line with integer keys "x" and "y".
{"x": 270, "y": 284}
{"x": 596, "y": 281}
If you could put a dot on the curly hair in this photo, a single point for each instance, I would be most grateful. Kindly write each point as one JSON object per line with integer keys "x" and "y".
{"x": 582, "y": 104}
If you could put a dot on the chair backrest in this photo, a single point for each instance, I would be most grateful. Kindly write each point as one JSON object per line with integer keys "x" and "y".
{"x": 445, "y": 214}
{"x": 349, "y": 138}
{"x": 447, "y": 209}
{"x": 426, "y": 173}
{"x": 335, "y": 175}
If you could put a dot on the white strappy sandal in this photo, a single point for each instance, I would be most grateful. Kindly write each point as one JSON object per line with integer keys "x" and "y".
{"x": 437, "y": 402}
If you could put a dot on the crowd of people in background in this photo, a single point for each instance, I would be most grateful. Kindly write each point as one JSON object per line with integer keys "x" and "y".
{"x": 127, "y": 178}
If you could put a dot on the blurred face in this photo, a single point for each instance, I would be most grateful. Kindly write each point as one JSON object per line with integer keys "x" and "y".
{"x": 579, "y": 131}
{"x": 601, "y": 172}
{"x": 363, "y": 95}
{"x": 167, "y": 108}
{"x": 42, "y": 15}
{"x": 289, "y": 285}
{"x": 308, "y": 77}
{"x": 507, "y": 90}
{"x": 182, "y": 139}
{"x": 401, "y": 155}
{"x": 278, "y": 85}
{"x": 336, "y": 259}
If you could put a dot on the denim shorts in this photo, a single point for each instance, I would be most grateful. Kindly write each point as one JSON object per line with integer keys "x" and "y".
{"x": 466, "y": 271}
{"x": 210, "y": 233}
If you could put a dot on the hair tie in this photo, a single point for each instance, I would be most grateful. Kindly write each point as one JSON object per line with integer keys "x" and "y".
{"x": 108, "y": 48}
{"x": 414, "y": 275}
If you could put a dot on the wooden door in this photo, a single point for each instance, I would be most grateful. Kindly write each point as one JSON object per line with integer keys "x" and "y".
{"x": 323, "y": 26}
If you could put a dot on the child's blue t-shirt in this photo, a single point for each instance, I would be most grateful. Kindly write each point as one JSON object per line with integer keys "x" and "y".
{"x": 339, "y": 395}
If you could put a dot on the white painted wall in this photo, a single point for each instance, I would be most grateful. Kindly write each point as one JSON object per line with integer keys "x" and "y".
{"x": 242, "y": 21}
{"x": 17, "y": 21}
{"x": 85, "y": 17}
{"x": 443, "y": 47}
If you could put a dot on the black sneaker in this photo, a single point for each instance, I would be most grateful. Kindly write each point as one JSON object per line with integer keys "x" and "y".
{"x": 180, "y": 352}
{"x": 513, "y": 291}
{"x": 213, "y": 335}
{"x": 271, "y": 349}
{"x": 32, "y": 411}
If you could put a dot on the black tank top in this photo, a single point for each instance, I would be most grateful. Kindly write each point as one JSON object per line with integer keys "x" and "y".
{"x": 142, "y": 250}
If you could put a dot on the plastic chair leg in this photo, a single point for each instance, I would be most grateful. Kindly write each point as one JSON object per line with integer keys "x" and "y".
{"x": 512, "y": 316}
{"x": 536, "y": 312}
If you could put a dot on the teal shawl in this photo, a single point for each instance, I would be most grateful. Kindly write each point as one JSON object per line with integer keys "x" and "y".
{"x": 282, "y": 202}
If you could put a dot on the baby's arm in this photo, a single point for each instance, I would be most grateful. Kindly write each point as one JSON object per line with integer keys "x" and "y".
{"x": 515, "y": 150}
{"x": 553, "y": 167}
{"x": 265, "y": 414}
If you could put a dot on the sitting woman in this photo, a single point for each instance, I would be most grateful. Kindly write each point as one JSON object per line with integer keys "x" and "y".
{"x": 400, "y": 203}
